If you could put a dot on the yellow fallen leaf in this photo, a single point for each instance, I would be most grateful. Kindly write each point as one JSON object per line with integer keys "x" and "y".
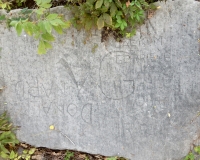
{"x": 158, "y": 7}
{"x": 51, "y": 127}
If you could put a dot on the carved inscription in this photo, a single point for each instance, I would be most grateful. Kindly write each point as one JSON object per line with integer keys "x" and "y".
{"x": 41, "y": 100}
{"x": 132, "y": 98}
{"x": 116, "y": 80}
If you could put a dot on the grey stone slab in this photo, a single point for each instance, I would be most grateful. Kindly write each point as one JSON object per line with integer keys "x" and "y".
{"x": 138, "y": 99}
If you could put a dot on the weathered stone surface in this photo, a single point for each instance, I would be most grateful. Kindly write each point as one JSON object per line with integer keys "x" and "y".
{"x": 138, "y": 99}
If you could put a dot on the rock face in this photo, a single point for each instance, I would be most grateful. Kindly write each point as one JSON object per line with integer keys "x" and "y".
{"x": 138, "y": 99}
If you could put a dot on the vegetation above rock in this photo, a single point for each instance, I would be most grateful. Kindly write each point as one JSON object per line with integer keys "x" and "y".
{"x": 120, "y": 17}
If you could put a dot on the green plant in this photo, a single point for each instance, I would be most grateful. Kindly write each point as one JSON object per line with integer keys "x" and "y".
{"x": 86, "y": 158}
{"x": 20, "y": 2}
{"x": 120, "y": 16}
{"x": 8, "y": 139}
{"x": 115, "y": 158}
{"x": 11, "y": 4}
{"x": 42, "y": 27}
{"x": 123, "y": 16}
{"x": 5, "y": 125}
{"x": 2, "y": 18}
{"x": 5, "y": 4}
{"x": 197, "y": 149}
{"x": 68, "y": 155}
{"x": 26, "y": 154}
{"x": 190, "y": 156}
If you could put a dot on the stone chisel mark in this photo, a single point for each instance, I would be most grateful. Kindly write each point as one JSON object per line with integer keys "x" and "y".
{"x": 69, "y": 71}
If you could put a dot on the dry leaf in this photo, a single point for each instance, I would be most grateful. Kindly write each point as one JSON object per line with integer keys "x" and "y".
{"x": 37, "y": 157}
{"x": 150, "y": 14}
{"x": 24, "y": 145}
{"x": 128, "y": 4}
{"x": 82, "y": 156}
{"x": 56, "y": 154}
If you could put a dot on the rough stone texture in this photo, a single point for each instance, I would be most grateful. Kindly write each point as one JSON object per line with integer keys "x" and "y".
{"x": 138, "y": 99}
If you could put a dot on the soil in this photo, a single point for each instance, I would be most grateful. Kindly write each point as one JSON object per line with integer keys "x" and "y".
{"x": 42, "y": 153}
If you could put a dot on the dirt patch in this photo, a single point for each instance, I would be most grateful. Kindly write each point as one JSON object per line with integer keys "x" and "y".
{"x": 42, "y": 153}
